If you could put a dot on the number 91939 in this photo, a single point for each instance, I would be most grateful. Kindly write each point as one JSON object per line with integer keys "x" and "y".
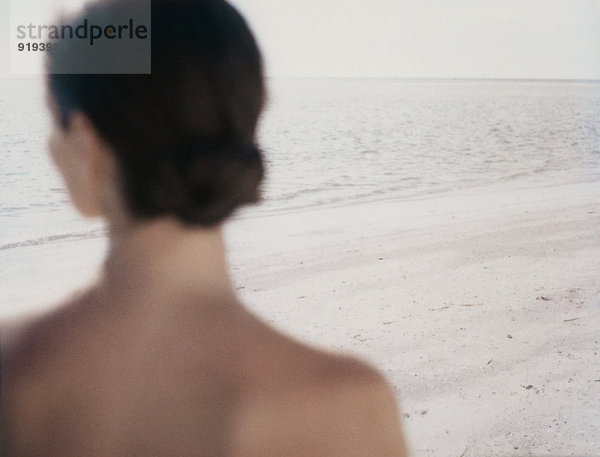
{"x": 36, "y": 46}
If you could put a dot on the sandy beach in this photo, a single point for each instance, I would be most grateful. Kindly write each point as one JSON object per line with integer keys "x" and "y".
{"x": 481, "y": 306}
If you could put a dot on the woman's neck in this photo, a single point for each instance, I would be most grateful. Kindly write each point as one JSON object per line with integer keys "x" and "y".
{"x": 164, "y": 255}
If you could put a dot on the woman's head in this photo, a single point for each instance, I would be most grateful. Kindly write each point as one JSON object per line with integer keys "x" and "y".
{"x": 183, "y": 137}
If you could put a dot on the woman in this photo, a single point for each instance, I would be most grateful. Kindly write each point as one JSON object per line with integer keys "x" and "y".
{"x": 159, "y": 357}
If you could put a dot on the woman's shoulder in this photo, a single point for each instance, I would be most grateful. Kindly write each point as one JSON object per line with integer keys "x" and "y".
{"x": 23, "y": 347}
{"x": 20, "y": 336}
{"x": 282, "y": 361}
{"x": 351, "y": 412}
{"x": 319, "y": 403}
{"x": 30, "y": 343}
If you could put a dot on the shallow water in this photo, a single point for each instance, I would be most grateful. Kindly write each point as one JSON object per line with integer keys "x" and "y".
{"x": 336, "y": 140}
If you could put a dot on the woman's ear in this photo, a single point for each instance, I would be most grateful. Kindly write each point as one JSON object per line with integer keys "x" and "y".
{"x": 87, "y": 165}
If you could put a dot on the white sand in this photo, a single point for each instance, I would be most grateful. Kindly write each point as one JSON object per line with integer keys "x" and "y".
{"x": 482, "y": 306}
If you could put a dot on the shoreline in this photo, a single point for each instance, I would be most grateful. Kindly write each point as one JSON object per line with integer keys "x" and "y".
{"x": 480, "y": 305}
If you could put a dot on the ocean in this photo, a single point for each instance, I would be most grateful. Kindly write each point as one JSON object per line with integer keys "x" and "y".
{"x": 334, "y": 141}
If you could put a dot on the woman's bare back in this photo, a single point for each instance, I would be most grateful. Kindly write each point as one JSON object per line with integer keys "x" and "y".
{"x": 208, "y": 379}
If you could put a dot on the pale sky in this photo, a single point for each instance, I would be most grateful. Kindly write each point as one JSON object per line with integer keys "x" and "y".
{"x": 428, "y": 38}
{"x": 419, "y": 38}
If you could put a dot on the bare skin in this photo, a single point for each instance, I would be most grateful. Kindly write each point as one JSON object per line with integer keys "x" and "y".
{"x": 159, "y": 358}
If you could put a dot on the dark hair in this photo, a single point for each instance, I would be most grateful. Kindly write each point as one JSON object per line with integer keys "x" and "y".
{"x": 184, "y": 135}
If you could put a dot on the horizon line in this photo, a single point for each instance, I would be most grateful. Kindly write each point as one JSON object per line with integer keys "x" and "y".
{"x": 399, "y": 78}
{"x": 443, "y": 78}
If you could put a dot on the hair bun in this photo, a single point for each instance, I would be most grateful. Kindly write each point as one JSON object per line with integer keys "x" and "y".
{"x": 208, "y": 178}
